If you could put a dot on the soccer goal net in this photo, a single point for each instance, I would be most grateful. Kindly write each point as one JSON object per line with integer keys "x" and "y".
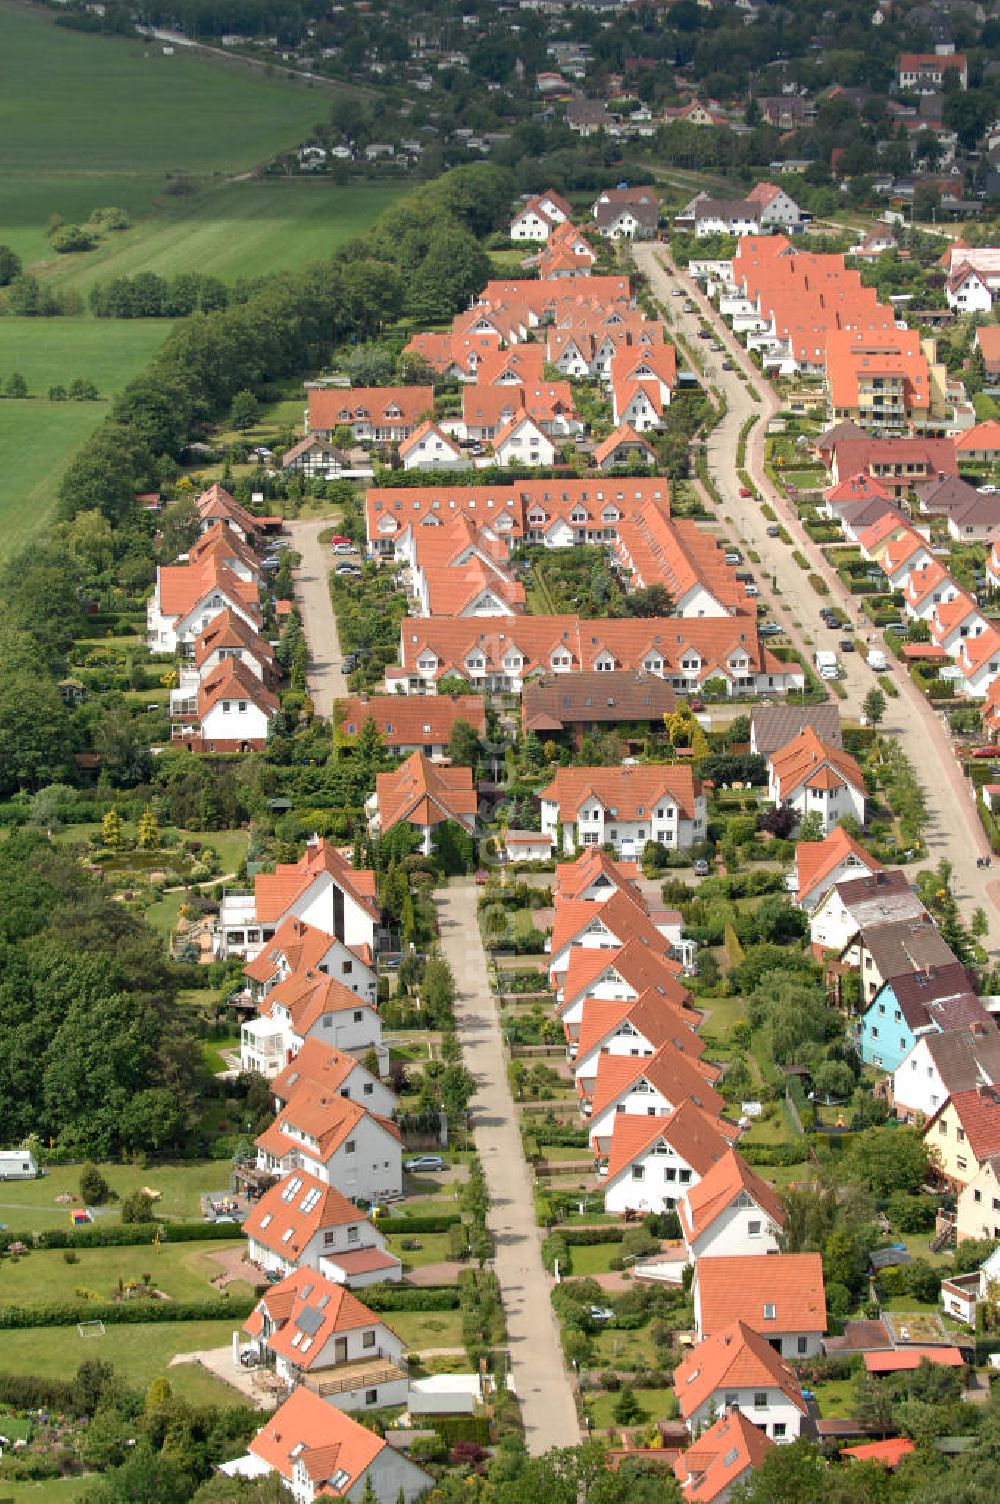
{"x": 90, "y": 1328}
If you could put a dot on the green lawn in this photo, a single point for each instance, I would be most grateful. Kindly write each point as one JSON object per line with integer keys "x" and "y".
{"x": 659, "y": 1404}
{"x": 181, "y": 1270}
{"x": 614, "y": 1349}
{"x": 835, "y": 1398}
{"x": 593, "y": 1258}
{"x": 164, "y": 913}
{"x": 31, "y": 1205}
{"x": 423, "y": 1329}
{"x": 140, "y": 1353}
{"x": 50, "y": 1491}
{"x": 433, "y": 1249}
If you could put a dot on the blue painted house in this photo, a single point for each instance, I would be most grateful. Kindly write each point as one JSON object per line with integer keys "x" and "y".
{"x": 939, "y": 998}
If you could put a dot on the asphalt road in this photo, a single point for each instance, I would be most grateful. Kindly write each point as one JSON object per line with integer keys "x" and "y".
{"x": 325, "y": 678}
{"x": 953, "y": 830}
{"x": 543, "y": 1387}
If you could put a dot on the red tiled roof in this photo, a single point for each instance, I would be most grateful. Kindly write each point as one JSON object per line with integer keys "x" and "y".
{"x": 302, "y": 945}
{"x": 275, "y": 892}
{"x": 717, "y": 1190}
{"x": 816, "y": 860}
{"x": 318, "y": 1066}
{"x": 385, "y": 406}
{"x": 631, "y": 792}
{"x": 720, "y": 1457}
{"x": 290, "y": 1214}
{"x": 233, "y": 680}
{"x": 904, "y": 1359}
{"x": 699, "y": 1138}
{"x": 798, "y": 762}
{"x": 735, "y": 1358}
{"x": 424, "y": 794}
{"x": 744, "y": 1288}
{"x": 889, "y": 1453}
{"x": 327, "y": 1442}
{"x": 978, "y": 1113}
{"x": 411, "y": 720}
{"x": 676, "y": 1076}
{"x": 307, "y": 995}
{"x": 329, "y": 1310}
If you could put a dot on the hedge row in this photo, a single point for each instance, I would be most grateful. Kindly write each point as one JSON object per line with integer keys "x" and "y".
{"x": 584, "y": 1236}
{"x": 393, "y": 1297}
{"x": 406, "y": 1225}
{"x": 123, "y": 1313}
{"x": 127, "y": 1234}
{"x": 774, "y": 1154}
{"x": 455, "y": 1428}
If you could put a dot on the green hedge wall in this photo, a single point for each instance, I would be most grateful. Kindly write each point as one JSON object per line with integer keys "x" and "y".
{"x": 124, "y": 1313}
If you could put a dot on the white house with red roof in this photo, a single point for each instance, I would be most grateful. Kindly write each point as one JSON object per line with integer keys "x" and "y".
{"x": 811, "y": 776}
{"x": 338, "y": 1141}
{"x": 623, "y": 447}
{"x": 821, "y": 865}
{"x": 731, "y": 1212}
{"x": 634, "y": 1029}
{"x": 968, "y": 290}
{"x": 523, "y": 441}
{"x": 217, "y": 505}
{"x": 314, "y": 1332}
{"x": 738, "y": 1369}
{"x": 303, "y": 1223}
{"x": 778, "y": 210}
{"x": 297, "y": 946}
{"x": 620, "y": 975}
{"x": 780, "y": 1295}
{"x": 637, "y": 404}
{"x": 334, "y": 1072}
{"x": 321, "y": 889}
{"x": 581, "y": 924}
{"x": 379, "y": 414}
{"x": 231, "y": 710}
{"x": 654, "y": 1086}
{"x": 625, "y": 807}
{"x": 721, "y": 1460}
{"x": 540, "y": 216}
{"x": 430, "y": 448}
{"x": 308, "y": 1005}
{"x": 978, "y": 659}
{"x": 322, "y": 1453}
{"x": 653, "y": 1161}
{"x": 187, "y": 597}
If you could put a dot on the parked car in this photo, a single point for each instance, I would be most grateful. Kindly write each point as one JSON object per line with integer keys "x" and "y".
{"x": 340, "y": 538}
{"x": 423, "y": 1162}
{"x": 701, "y": 867}
{"x": 727, "y": 365}
{"x": 751, "y": 590}
{"x": 348, "y": 570}
{"x": 344, "y": 547}
{"x": 482, "y": 877}
{"x": 745, "y": 491}
{"x": 733, "y": 556}
{"x": 847, "y": 645}
{"x": 771, "y": 629}
{"x": 601, "y": 1313}
{"x": 773, "y": 530}
{"x": 349, "y": 663}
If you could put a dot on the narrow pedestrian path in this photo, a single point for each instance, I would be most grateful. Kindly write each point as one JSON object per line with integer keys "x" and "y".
{"x": 543, "y": 1387}
{"x": 324, "y": 677}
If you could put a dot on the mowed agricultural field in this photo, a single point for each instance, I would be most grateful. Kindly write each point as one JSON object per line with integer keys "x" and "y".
{"x": 231, "y": 230}
{"x": 87, "y": 122}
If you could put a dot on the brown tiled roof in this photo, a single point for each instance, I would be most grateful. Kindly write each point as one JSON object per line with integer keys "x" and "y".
{"x": 773, "y": 726}
{"x": 591, "y": 697}
{"x": 411, "y": 720}
{"x": 978, "y": 1112}
{"x": 799, "y": 761}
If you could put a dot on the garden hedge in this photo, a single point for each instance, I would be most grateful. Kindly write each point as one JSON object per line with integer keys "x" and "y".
{"x": 126, "y": 1234}
{"x": 405, "y": 1225}
{"x": 393, "y": 1297}
{"x": 123, "y": 1313}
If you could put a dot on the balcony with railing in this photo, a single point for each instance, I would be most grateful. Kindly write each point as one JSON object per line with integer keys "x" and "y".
{"x": 361, "y": 1373}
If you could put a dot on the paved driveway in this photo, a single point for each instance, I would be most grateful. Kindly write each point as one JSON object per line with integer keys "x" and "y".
{"x": 325, "y": 678}
{"x": 953, "y": 830}
{"x": 543, "y": 1387}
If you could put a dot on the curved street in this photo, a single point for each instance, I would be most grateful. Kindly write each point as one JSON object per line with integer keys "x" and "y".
{"x": 953, "y": 829}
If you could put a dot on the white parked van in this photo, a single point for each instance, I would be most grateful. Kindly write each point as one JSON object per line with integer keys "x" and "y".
{"x": 17, "y": 1164}
{"x": 877, "y": 661}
